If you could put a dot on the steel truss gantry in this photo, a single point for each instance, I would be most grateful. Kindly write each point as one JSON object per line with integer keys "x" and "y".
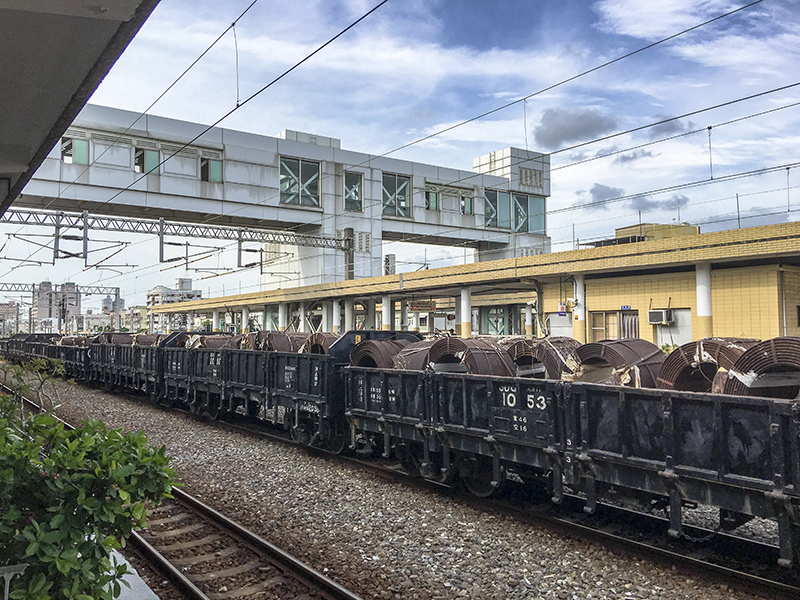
{"x": 84, "y": 221}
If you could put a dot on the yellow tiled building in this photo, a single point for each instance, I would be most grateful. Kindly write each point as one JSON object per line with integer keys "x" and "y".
{"x": 665, "y": 284}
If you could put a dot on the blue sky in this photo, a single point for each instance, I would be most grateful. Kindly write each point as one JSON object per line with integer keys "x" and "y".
{"x": 416, "y": 67}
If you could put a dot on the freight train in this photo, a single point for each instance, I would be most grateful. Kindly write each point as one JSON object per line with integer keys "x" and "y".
{"x": 426, "y": 403}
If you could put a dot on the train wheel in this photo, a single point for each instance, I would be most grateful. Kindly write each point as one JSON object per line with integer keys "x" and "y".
{"x": 477, "y": 474}
{"x": 213, "y": 408}
{"x": 410, "y": 457}
{"x": 253, "y": 408}
{"x": 337, "y": 436}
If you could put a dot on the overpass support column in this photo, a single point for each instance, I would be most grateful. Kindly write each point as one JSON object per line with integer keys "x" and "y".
{"x": 282, "y": 314}
{"x": 325, "y": 324}
{"x": 431, "y": 322}
{"x": 404, "y": 315}
{"x": 528, "y": 321}
{"x": 264, "y": 317}
{"x": 349, "y": 315}
{"x": 387, "y": 316}
{"x": 190, "y": 322}
{"x": 414, "y": 325}
{"x": 466, "y": 313}
{"x": 215, "y": 320}
{"x": 579, "y": 310}
{"x": 705, "y": 320}
{"x": 336, "y": 309}
{"x": 245, "y": 319}
{"x": 302, "y": 315}
{"x": 369, "y": 320}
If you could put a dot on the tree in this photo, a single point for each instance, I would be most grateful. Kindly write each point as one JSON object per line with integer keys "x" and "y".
{"x": 67, "y": 498}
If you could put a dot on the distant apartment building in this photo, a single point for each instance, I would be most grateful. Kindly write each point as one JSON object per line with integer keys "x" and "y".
{"x": 9, "y": 318}
{"x": 133, "y": 319}
{"x": 110, "y": 305}
{"x": 183, "y": 292}
{"x": 96, "y": 322}
{"x": 53, "y": 303}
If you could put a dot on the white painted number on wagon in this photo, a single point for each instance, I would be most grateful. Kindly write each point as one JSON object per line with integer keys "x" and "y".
{"x": 535, "y": 401}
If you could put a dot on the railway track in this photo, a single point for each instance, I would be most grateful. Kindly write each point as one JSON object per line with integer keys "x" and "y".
{"x": 633, "y": 531}
{"x": 208, "y": 556}
{"x": 721, "y": 555}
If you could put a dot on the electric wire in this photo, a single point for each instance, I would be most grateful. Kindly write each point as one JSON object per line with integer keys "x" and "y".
{"x": 572, "y": 78}
{"x": 509, "y": 104}
{"x": 255, "y": 95}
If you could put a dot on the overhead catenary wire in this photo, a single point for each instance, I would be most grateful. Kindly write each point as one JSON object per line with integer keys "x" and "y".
{"x": 256, "y": 94}
{"x": 745, "y": 7}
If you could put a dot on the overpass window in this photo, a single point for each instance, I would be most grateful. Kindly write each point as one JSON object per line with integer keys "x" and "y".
{"x": 75, "y": 152}
{"x": 353, "y": 192}
{"x": 396, "y": 195}
{"x": 145, "y": 161}
{"x": 299, "y": 181}
{"x": 519, "y": 212}
{"x": 211, "y": 170}
{"x": 491, "y": 208}
{"x": 431, "y": 200}
{"x": 466, "y": 205}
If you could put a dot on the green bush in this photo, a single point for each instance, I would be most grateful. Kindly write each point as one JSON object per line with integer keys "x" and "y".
{"x": 67, "y": 498}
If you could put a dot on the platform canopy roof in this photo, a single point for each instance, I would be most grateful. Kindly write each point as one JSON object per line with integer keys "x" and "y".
{"x": 53, "y": 55}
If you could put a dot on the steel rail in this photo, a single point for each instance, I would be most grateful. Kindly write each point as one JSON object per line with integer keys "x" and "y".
{"x": 281, "y": 560}
{"x": 560, "y": 523}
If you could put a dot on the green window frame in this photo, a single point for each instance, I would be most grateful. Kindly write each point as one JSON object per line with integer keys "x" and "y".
{"x": 211, "y": 170}
{"x": 75, "y": 151}
{"x": 299, "y": 182}
{"x": 467, "y": 205}
{"x": 145, "y": 161}
{"x": 396, "y": 195}
{"x": 431, "y": 200}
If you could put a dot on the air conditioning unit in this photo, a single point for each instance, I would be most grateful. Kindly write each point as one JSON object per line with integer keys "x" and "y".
{"x": 659, "y": 317}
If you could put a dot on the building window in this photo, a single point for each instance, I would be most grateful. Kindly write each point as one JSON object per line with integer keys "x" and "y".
{"x": 353, "y": 191}
{"x": 614, "y": 325}
{"x": 145, "y": 161}
{"x": 519, "y": 212}
{"x": 431, "y": 200}
{"x": 211, "y": 170}
{"x": 466, "y": 205}
{"x": 75, "y": 152}
{"x": 396, "y": 196}
{"x": 299, "y": 180}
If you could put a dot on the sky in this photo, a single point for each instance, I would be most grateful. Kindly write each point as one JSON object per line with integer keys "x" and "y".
{"x": 414, "y": 68}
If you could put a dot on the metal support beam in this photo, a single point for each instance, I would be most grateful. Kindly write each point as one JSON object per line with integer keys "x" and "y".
{"x": 163, "y": 228}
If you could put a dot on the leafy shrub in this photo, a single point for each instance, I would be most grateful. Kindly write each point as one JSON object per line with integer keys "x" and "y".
{"x": 67, "y": 498}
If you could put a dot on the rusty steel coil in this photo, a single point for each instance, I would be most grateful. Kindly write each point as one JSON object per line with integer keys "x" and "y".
{"x": 702, "y": 366}
{"x": 318, "y": 343}
{"x": 122, "y": 339}
{"x": 74, "y": 340}
{"x": 770, "y": 368}
{"x": 147, "y": 339}
{"x": 414, "y": 357}
{"x": 480, "y": 356}
{"x": 286, "y": 341}
{"x": 258, "y": 340}
{"x": 377, "y": 353}
{"x": 554, "y": 353}
{"x": 215, "y": 342}
{"x": 519, "y": 349}
{"x": 630, "y": 362}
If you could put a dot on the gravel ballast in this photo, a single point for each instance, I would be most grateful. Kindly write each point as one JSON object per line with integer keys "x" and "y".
{"x": 383, "y": 539}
